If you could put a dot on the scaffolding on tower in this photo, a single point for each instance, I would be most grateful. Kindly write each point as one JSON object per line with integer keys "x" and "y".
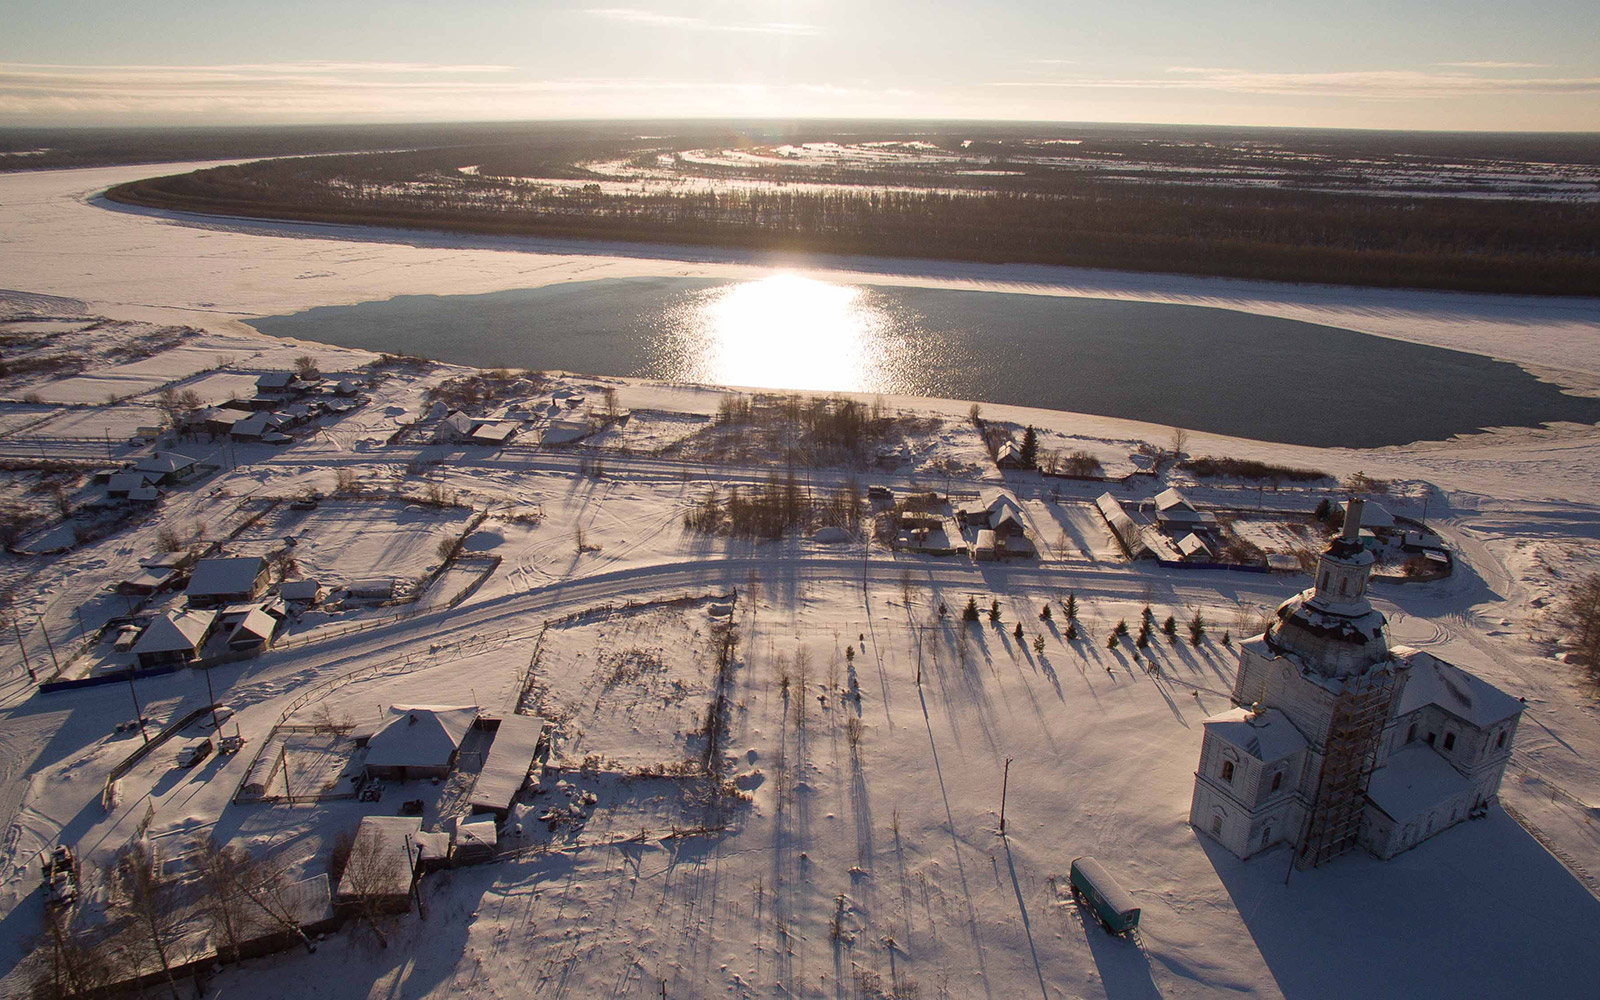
{"x": 1350, "y": 754}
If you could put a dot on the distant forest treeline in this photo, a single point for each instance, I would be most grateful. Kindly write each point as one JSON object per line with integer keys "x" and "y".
{"x": 1046, "y": 217}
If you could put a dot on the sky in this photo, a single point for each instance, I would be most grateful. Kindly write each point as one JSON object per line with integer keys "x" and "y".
{"x": 1409, "y": 64}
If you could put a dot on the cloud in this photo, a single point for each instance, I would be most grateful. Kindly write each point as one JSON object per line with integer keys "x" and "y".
{"x": 1370, "y": 85}
{"x": 32, "y": 93}
{"x": 1494, "y": 64}
{"x": 635, "y": 15}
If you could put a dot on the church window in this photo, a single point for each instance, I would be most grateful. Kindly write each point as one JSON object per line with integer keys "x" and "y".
{"x": 1449, "y": 741}
{"x": 1411, "y": 734}
{"x": 1324, "y": 584}
{"x": 1266, "y": 836}
{"x": 1227, "y": 771}
{"x": 1344, "y": 585}
{"x": 1428, "y": 739}
{"x": 1277, "y": 781}
{"x": 1216, "y": 826}
{"x": 1500, "y": 741}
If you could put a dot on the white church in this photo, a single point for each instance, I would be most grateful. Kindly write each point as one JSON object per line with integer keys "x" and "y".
{"x": 1340, "y": 739}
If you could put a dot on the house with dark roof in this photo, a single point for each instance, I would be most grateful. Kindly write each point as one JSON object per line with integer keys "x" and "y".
{"x": 226, "y": 580}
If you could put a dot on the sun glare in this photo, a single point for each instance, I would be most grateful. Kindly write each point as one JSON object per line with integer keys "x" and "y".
{"x": 791, "y": 332}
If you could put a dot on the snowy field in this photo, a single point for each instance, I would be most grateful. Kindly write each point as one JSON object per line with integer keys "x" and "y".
{"x": 869, "y": 802}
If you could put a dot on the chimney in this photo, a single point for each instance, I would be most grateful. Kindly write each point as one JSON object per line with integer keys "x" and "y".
{"x": 1352, "y": 520}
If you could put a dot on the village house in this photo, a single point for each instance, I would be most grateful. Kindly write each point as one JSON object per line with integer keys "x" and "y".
{"x": 1009, "y": 456}
{"x": 418, "y": 742}
{"x": 1338, "y": 739}
{"x": 387, "y": 865}
{"x": 226, "y": 580}
{"x": 173, "y": 637}
{"x": 166, "y": 468}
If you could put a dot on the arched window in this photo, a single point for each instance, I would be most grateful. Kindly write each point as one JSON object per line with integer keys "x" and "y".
{"x": 1277, "y": 781}
{"x": 1449, "y": 741}
{"x": 1500, "y": 741}
{"x": 1227, "y": 771}
{"x": 1344, "y": 585}
{"x": 1411, "y": 734}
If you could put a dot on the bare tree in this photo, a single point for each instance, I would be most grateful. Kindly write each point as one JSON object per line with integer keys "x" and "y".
{"x": 609, "y": 395}
{"x": 220, "y": 898}
{"x": 73, "y": 962}
{"x": 1180, "y": 443}
{"x": 149, "y": 899}
{"x": 369, "y": 872}
{"x": 1580, "y": 612}
{"x": 305, "y": 366}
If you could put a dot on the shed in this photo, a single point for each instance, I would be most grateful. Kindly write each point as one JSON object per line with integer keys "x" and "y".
{"x": 493, "y": 432}
{"x": 506, "y": 766}
{"x": 174, "y": 637}
{"x": 418, "y": 741}
{"x": 303, "y": 591}
{"x": 147, "y": 581}
{"x": 475, "y": 841}
{"x": 226, "y": 579}
{"x": 383, "y": 863}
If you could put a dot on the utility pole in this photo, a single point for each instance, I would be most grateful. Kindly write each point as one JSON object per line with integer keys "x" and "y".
{"x": 25, "y": 664}
{"x": 48, "y": 645}
{"x": 211, "y": 699}
{"x": 1005, "y": 780}
{"x": 138, "y": 713}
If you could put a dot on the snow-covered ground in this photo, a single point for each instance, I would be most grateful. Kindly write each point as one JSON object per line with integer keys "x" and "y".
{"x": 886, "y": 825}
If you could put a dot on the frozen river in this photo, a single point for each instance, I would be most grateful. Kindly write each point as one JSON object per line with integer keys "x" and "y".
{"x": 1211, "y": 369}
{"x": 1278, "y": 361}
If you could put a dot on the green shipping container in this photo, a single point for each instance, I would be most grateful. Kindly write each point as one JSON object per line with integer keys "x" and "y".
{"x": 1112, "y": 905}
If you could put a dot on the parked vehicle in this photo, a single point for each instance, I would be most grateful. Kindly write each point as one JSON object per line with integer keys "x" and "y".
{"x": 60, "y": 877}
{"x": 1111, "y": 904}
{"x": 194, "y": 753}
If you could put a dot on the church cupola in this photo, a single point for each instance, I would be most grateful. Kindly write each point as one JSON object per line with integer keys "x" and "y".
{"x": 1343, "y": 571}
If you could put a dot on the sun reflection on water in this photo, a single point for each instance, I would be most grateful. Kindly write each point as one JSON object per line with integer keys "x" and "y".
{"x": 786, "y": 331}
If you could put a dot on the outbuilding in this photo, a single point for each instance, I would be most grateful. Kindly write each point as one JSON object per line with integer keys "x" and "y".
{"x": 507, "y": 764}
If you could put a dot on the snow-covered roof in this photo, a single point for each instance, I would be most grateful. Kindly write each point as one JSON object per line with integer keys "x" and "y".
{"x": 459, "y": 422}
{"x": 122, "y": 482}
{"x": 223, "y": 575}
{"x": 494, "y": 430}
{"x": 256, "y": 424}
{"x": 506, "y": 765}
{"x": 1413, "y": 781}
{"x": 1008, "y": 451}
{"x": 299, "y": 590}
{"x": 173, "y": 632}
{"x": 394, "y": 841}
{"x": 420, "y": 736}
{"x": 476, "y": 834}
{"x": 223, "y": 415}
{"x": 1192, "y": 545}
{"x": 275, "y": 380}
{"x": 1172, "y": 503}
{"x": 149, "y": 578}
{"x": 165, "y": 560}
{"x": 255, "y": 624}
{"x": 565, "y": 431}
{"x": 1432, "y": 681}
{"x": 164, "y": 463}
{"x": 1373, "y": 515}
{"x": 1267, "y": 735}
{"x": 148, "y": 494}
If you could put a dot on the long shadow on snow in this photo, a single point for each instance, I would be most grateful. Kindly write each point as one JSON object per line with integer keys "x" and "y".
{"x": 1481, "y": 909}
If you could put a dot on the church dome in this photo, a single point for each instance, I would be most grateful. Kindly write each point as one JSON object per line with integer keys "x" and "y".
{"x": 1329, "y": 643}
